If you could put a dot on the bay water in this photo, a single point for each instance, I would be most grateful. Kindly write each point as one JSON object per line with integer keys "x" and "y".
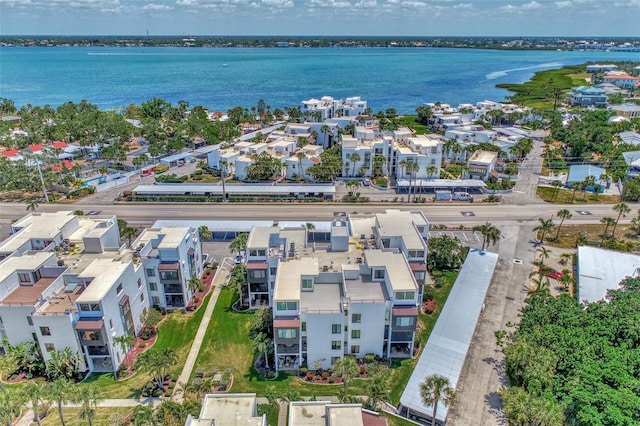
{"x": 220, "y": 79}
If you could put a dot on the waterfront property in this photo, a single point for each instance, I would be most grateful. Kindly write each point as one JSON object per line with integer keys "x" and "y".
{"x": 587, "y": 96}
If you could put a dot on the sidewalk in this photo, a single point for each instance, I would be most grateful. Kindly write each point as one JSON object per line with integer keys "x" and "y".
{"x": 218, "y": 281}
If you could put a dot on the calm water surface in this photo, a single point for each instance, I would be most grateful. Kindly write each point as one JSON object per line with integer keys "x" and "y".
{"x": 224, "y": 78}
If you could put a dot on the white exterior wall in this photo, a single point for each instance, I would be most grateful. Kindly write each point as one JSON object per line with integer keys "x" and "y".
{"x": 319, "y": 338}
{"x": 63, "y": 335}
{"x": 371, "y": 327}
{"x": 241, "y": 165}
{"x": 16, "y": 325}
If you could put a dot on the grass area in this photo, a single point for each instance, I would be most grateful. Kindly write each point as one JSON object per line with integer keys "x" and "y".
{"x": 272, "y": 416}
{"x": 565, "y": 196}
{"x": 580, "y": 78}
{"x": 227, "y": 345}
{"x": 176, "y": 331}
{"x": 538, "y": 92}
{"x": 410, "y": 121}
{"x": 593, "y": 234}
{"x": 400, "y": 375}
{"x": 396, "y": 421}
{"x": 102, "y": 416}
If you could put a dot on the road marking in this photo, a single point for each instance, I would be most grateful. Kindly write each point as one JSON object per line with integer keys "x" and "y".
{"x": 517, "y": 261}
{"x": 583, "y": 212}
{"x": 467, "y": 214}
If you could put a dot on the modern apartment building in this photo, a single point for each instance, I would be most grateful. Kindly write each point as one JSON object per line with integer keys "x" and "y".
{"x": 171, "y": 257}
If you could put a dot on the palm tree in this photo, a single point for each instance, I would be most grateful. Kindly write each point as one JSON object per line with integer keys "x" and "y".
{"x": 193, "y": 283}
{"x": 490, "y": 234}
{"x": 11, "y": 403}
{"x": 556, "y": 184}
{"x": 129, "y": 232}
{"x": 436, "y": 390}
{"x": 264, "y": 346}
{"x": 347, "y": 368}
{"x": 34, "y": 392}
{"x": 574, "y": 187}
{"x": 354, "y": 158}
{"x": 88, "y": 396}
{"x": 607, "y": 221}
{"x": 562, "y": 214}
{"x": 62, "y": 364}
{"x": 545, "y": 226}
{"x": 403, "y": 165}
{"x": 223, "y": 177}
{"x": 544, "y": 253}
{"x": 125, "y": 342}
{"x": 239, "y": 243}
{"x": 60, "y": 392}
{"x": 412, "y": 169}
{"x": 32, "y": 205}
{"x": 622, "y": 209}
{"x": 566, "y": 280}
{"x": 541, "y": 287}
{"x": 432, "y": 170}
{"x": 300, "y": 156}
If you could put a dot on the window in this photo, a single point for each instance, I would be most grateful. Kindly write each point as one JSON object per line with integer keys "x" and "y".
{"x": 153, "y": 286}
{"x": 335, "y": 328}
{"x": 355, "y": 349}
{"x": 287, "y": 333}
{"x": 405, "y": 295}
{"x": 24, "y": 277}
{"x": 419, "y": 276}
{"x": 50, "y": 347}
{"x": 292, "y": 306}
{"x": 404, "y": 321}
{"x": 356, "y": 318}
{"x": 111, "y": 324}
{"x": 335, "y": 345}
{"x": 262, "y": 252}
{"x": 258, "y": 273}
{"x": 155, "y": 300}
{"x": 119, "y": 289}
{"x": 355, "y": 334}
{"x": 272, "y": 271}
{"x": 304, "y": 326}
{"x": 29, "y": 320}
{"x": 334, "y": 359}
{"x": 307, "y": 284}
{"x": 139, "y": 283}
{"x": 150, "y": 272}
{"x": 95, "y": 307}
{"x": 378, "y": 274}
{"x": 45, "y": 331}
{"x": 433, "y": 160}
{"x": 169, "y": 275}
{"x": 281, "y": 306}
{"x": 142, "y": 298}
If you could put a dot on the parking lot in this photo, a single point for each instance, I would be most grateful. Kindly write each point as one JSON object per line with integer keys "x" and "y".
{"x": 467, "y": 238}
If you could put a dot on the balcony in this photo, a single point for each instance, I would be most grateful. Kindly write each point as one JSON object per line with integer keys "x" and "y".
{"x": 172, "y": 289}
{"x": 98, "y": 350}
{"x": 259, "y": 288}
{"x": 288, "y": 349}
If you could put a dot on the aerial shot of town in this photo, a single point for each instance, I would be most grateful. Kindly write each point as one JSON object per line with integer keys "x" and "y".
{"x": 305, "y": 213}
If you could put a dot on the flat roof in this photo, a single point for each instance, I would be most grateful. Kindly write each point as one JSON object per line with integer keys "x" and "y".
{"x": 42, "y": 226}
{"x": 361, "y": 291}
{"x": 244, "y": 188}
{"x": 28, "y": 294}
{"x": 398, "y": 272}
{"x": 287, "y": 285}
{"x": 449, "y": 342}
{"x": 31, "y": 261}
{"x": 324, "y": 413}
{"x": 601, "y": 270}
{"x": 394, "y": 223}
{"x": 228, "y": 410}
{"x": 105, "y": 272}
{"x": 176, "y": 157}
{"x": 485, "y": 157}
{"x": 259, "y": 236}
{"x": 325, "y": 297}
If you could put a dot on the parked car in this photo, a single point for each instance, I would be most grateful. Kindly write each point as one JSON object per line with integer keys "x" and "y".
{"x": 366, "y": 181}
{"x": 555, "y": 274}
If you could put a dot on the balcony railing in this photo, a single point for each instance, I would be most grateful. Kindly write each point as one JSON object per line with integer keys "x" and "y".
{"x": 284, "y": 349}
{"x": 98, "y": 351}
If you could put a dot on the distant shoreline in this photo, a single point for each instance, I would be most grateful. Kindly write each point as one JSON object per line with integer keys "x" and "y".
{"x": 591, "y": 44}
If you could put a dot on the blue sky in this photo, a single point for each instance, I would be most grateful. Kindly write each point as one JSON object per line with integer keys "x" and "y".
{"x": 322, "y": 17}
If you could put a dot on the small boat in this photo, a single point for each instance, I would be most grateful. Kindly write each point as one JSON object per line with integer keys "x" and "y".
{"x": 225, "y": 65}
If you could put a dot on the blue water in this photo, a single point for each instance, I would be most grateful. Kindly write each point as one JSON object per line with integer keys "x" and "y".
{"x": 385, "y": 77}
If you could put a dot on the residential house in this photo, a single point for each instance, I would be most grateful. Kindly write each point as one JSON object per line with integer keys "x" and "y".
{"x": 621, "y": 79}
{"x": 632, "y": 158}
{"x": 595, "y": 68}
{"x": 587, "y": 96}
{"x": 230, "y": 409}
{"x": 631, "y": 138}
{"x": 13, "y": 155}
{"x": 628, "y": 110}
{"x": 600, "y": 270}
{"x": 581, "y": 172}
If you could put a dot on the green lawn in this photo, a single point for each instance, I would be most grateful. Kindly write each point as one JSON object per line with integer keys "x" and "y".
{"x": 176, "y": 331}
{"x": 565, "y": 195}
{"x": 102, "y": 416}
{"x": 227, "y": 345}
{"x": 410, "y": 121}
{"x": 272, "y": 416}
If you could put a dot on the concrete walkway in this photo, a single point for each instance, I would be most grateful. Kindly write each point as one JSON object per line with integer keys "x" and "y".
{"x": 218, "y": 281}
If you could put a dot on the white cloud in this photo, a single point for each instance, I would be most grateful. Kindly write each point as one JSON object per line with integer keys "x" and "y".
{"x": 156, "y": 7}
{"x": 563, "y": 4}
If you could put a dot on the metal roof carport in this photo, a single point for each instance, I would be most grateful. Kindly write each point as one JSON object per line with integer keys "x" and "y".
{"x": 419, "y": 186}
{"x": 448, "y": 344}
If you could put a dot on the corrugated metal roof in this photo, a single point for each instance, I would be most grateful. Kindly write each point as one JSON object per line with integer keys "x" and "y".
{"x": 245, "y": 188}
{"x": 578, "y": 173}
{"x": 442, "y": 183}
{"x": 448, "y": 344}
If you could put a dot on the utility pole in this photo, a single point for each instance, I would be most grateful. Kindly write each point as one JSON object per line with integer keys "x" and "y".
{"x": 44, "y": 188}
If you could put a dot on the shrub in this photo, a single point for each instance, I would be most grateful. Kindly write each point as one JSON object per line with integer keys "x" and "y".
{"x": 331, "y": 380}
{"x": 325, "y": 374}
{"x": 142, "y": 345}
{"x": 309, "y": 375}
{"x": 303, "y": 370}
{"x": 157, "y": 393}
{"x": 428, "y": 293}
{"x": 363, "y": 369}
{"x": 271, "y": 375}
{"x": 430, "y": 306}
{"x": 369, "y": 358}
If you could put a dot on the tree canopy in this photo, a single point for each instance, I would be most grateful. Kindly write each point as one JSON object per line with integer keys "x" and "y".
{"x": 582, "y": 362}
